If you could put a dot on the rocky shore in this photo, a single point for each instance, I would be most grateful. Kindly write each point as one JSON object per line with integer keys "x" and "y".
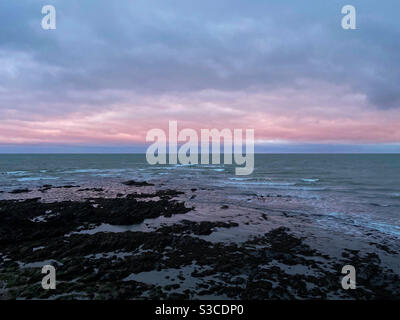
{"x": 172, "y": 261}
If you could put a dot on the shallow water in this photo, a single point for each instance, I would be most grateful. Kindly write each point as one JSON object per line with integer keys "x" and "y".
{"x": 347, "y": 193}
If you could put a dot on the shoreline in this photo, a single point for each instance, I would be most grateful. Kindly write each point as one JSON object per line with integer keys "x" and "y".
{"x": 144, "y": 241}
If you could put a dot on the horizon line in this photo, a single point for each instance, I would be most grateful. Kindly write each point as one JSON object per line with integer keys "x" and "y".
{"x": 144, "y": 153}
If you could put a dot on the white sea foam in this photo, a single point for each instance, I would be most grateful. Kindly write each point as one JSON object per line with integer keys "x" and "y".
{"x": 16, "y": 173}
{"x": 351, "y": 222}
{"x": 266, "y": 183}
{"x": 83, "y": 171}
{"x": 309, "y": 180}
{"x": 36, "y": 178}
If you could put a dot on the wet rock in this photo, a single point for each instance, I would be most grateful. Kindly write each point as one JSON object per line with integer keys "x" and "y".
{"x": 162, "y": 194}
{"x": 68, "y": 186}
{"x": 92, "y": 189}
{"x": 172, "y": 286}
{"x": 16, "y": 191}
{"x": 100, "y": 265}
{"x": 137, "y": 183}
{"x": 19, "y": 219}
{"x": 197, "y": 228}
{"x": 383, "y": 247}
{"x": 45, "y": 187}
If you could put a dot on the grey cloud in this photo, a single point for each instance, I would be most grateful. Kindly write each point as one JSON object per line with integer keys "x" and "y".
{"x": 183, "y": 46}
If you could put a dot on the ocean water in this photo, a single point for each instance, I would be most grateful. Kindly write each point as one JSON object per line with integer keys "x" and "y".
{"x": 347, "y": 192}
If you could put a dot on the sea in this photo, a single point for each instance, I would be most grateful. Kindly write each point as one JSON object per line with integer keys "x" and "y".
{"x": 347, "y": 193}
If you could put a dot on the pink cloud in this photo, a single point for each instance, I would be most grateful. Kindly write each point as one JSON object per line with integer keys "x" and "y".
{"x": 319, "y": 113}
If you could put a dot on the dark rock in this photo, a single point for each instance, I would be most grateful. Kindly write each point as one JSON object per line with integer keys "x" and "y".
{"x": 92, "y": 189}
{"x": 163, "y": 194}
{"x": 137, "y": 183}
{"x": 16, "y": 191}
{"x": 197, "y": 228}
{"x": 172, "y": 286}
{"x": 87, "y": 270}
{"x": 264, "y": 216}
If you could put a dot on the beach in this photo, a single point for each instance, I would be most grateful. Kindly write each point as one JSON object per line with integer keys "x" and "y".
{"x": 182, "y": 233}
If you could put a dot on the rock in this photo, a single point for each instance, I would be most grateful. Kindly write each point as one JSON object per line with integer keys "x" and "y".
{"x": 68, "y": 186}
{"x": 197, "y": 228}
{"x": 101, "y": 265}
{"x": 172, "y": 286}
{"x": 264, "y": 216}
{"x": 16, "y": 191}
{"x": 137, "y": 183}
{"x": 92, "y": 189}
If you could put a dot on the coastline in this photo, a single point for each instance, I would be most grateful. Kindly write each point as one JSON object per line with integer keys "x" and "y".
{"x": 144, "y": 241}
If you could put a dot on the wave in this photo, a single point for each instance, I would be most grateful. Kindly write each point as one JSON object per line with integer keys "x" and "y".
{"x": 266, "y": 183}
{"x": 36, "y": 178}
{"x": 348, "y": 221}
{"x": 105, "y": 174}
{"x": 16, "y": 173}
{"x": 309, "y": 180}
{"x": 310, "y": 188}
{"x": 379, "y": 204}
{"x": 384, "y": 227}
{"x": 83, "y": 171}
{"x": 100, "y": 172}
{"x": 284, "y": 185}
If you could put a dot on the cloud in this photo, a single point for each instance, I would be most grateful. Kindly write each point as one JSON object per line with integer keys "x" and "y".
{"x": 290, "y": 64}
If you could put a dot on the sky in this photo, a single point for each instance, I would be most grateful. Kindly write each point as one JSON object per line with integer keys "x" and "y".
{"x": 113, "y": 70}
